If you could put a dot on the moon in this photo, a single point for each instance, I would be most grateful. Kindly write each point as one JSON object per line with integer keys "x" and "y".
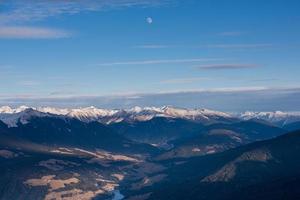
{"x": 149, "y": 20}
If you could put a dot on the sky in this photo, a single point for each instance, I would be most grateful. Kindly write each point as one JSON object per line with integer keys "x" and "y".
{"x": 232, "y": 55}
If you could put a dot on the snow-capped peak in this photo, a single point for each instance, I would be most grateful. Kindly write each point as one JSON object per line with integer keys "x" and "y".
{"x": 193, "y": 113}
{"x": 107, "y": 116}
{"x": 90, "y": 113}
{"x": 135, "y": 109}
{"x": 56, "y": 111}
{"x": 22, "y": 114}
{"x": 7, "y": 109}
{"x": 12, "y": 116}
{"x": 274, "y": 117}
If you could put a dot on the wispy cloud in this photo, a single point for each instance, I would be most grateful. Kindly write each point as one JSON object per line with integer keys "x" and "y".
{"x": 225, "y": 99}
{"x": 153, "y": 46}
{"x": 16, "y": 15}
{"x": 29, "y": 83}
{"x": 69, "y": 94}
{"x": 183, "y": 80}
{"x": 216, "y": 46}
{"x": 24, "y": 32}
{"x": 238, "y": 46}
{"x": 32, "y": 10}
{"x": 226, "y": 66}
{"x": 231, "y": 33}
{"x": 218, "y": 90}
{"x": 153, "y": 62}
{"x": 265, "y": 80}
{"x": 62, "y": 93}
{"x": 65, "y": 95}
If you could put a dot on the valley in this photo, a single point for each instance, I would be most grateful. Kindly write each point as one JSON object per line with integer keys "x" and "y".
{"x": 146, "y": 155}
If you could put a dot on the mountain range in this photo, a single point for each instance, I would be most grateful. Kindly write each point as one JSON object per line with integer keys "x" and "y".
{"x": 147, "y": 153}
{"x": 12, "y": 115}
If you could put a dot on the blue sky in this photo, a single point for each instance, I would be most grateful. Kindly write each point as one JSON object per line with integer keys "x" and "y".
{"x": 53, "y": 52}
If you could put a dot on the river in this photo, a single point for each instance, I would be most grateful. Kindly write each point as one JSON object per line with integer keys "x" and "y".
{"x": 117, "y": 195}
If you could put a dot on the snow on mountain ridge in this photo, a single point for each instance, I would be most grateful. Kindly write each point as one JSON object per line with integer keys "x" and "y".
{"x": 90, "y": 113}
{"x": 11, "y": 116}
{"x": 274, "y": 117}
{"x": 7, "y": 109}
{"x": 56, "y": 111}
{"x": 182, "y": 112}
{"x": 108, "y": 116}
{"x": 22, "y": 115}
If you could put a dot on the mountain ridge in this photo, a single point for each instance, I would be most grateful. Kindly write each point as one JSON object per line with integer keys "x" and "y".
{"x": 109, "y": 116}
